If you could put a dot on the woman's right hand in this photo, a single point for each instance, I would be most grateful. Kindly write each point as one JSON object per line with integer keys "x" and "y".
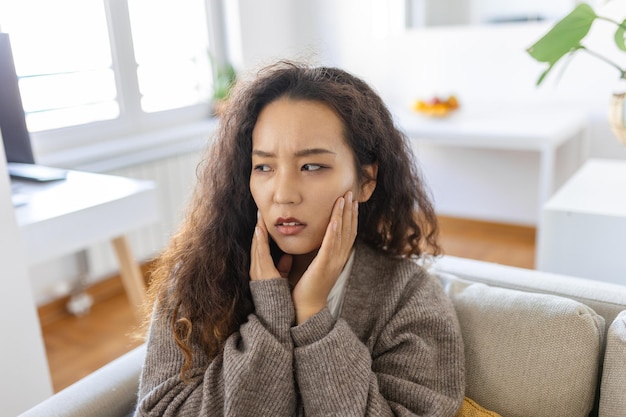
{"x": 261, "y": 262}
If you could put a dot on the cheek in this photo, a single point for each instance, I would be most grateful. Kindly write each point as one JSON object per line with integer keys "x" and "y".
{"x": 325, "y": 200}
{"x": 257, "y": 194}
{"x": 263, "y": 201}
{"x": 348, "y": 183}
{"x": 324, "y": 204}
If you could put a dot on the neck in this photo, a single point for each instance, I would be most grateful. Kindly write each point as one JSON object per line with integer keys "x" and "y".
{"x": 299, "y": 266}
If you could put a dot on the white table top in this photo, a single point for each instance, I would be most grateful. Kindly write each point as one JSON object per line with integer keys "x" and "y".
{"x": 598, "y": 187}
{"x": 488, "y": 126}
{"x": 62, "y": 217}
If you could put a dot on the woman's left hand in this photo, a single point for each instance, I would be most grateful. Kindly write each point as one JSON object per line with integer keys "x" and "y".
{"x": 310, "y": 294}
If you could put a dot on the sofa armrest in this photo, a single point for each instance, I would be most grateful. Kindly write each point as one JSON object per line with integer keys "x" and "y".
{"x": 111, "y": 391}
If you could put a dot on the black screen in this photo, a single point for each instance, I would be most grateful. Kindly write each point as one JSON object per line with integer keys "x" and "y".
{"x": 12, "y": 121}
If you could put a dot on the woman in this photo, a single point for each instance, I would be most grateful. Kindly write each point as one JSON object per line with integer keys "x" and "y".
{"x": 290, "y": 288}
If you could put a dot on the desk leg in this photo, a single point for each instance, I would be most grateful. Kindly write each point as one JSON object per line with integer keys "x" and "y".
{"x": 132, "y": 278}
{"x": 546, "y": 178}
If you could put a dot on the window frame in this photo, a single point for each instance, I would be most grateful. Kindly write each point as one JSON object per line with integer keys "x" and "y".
{"x": 58, "y": 145}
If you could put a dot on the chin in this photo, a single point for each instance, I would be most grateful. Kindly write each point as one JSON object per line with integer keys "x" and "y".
{"x": 295, "y": 248}
{"x": 295, "y": 251}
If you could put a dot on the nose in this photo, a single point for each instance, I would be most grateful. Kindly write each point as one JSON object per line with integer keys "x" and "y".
{"x": 286, "y": 189}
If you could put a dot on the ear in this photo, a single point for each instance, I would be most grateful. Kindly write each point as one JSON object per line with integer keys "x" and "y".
{"x": 369, "y": 185}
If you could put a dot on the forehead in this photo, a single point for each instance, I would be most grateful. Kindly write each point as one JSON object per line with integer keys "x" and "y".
{"x": 294, "y": 124}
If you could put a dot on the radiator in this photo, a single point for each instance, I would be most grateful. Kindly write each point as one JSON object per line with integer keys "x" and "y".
{"x": 174, "y": 177}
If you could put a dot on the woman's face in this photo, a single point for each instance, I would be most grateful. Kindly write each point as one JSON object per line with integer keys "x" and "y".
{"x": 301, "y": 165}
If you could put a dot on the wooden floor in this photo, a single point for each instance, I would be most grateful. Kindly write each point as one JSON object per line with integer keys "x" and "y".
{"x": 76, "y": 346}
{"x": 493, "y": 242}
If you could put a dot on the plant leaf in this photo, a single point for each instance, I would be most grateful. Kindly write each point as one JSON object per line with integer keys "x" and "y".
{"x": 564, "y": 37}
{"x": 225, "y": 78}
{"x": 619, "y": 36}
{"x": 543, "y": 74}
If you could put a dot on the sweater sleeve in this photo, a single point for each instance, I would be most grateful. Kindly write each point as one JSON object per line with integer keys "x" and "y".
{"x": 414, "y": 368}
{"x": 252, "y": 376}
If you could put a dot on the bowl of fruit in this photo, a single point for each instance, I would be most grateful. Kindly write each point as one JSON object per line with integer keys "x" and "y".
{"x": 436, "y": 106}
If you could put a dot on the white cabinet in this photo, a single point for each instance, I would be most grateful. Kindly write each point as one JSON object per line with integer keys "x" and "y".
{"x": 583, "y": 226}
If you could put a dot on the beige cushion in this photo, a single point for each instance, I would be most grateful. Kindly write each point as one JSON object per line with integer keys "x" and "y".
{"x": 613, "y": 389}
{"x": 527, "y": 354}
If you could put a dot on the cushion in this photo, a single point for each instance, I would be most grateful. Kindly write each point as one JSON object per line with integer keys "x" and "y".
{"x": 471, "y": 409}
{"x": 612, "y": 397}
{"x": 527, "y": 354}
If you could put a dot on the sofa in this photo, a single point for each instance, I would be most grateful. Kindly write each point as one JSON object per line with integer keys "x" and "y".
{"x": 537, "y": 345}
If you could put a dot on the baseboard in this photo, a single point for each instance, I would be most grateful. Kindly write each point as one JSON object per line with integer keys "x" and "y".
{"x": 462, "y": 224}
{"x": 99, "y": 291}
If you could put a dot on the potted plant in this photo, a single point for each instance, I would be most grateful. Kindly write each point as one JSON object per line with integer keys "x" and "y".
{"x": 224, "y": 77}
{"x": 565, "y": 39}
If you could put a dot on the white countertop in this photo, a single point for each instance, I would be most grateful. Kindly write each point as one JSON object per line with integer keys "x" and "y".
{"x": 497, "y": 127}
{"x": 61, "y": 217}
{"x": 598, "y": 187}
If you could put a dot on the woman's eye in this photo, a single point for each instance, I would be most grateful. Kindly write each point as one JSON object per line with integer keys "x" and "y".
{"x": 311, "y": 167}
{"x": 262, "y": 168}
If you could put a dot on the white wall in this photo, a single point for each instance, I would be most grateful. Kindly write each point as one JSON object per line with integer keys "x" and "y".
{"x": 478, "y": 63}
{"x": 24, "y": 375}
{"x": 482, "y": 65}
{"x": 259, "y": 32}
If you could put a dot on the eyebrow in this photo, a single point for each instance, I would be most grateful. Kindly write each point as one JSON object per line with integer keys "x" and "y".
{"x": 303, "y": 152}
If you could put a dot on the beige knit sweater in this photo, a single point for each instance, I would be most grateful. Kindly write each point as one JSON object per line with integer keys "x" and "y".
{"x": 395, "y": 350}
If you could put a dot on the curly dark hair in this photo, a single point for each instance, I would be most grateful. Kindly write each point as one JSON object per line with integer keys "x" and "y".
{"x": 201, "y": 280}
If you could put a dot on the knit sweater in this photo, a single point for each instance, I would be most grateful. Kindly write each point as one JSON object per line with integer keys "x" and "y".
{"x": 396, "y": 349}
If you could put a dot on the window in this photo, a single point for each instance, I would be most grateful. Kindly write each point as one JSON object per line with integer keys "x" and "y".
{"x": 65, "y": 79}
{"x": 113, "y": 62}
{"x": 173, "y": 71}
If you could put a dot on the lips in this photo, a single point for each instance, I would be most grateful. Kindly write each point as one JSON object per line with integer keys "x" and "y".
{"x": 289, "y": 226}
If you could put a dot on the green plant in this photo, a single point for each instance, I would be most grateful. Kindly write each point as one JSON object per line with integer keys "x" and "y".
{"x": 225, "y": 77}
{"x": 566, "y": 35}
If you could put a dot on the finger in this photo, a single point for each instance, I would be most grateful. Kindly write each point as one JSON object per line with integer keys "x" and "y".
{"x": 260, "y": 234}
{"x": 259, "y": 221}
{"x": 355, "y": 219}
{"x": 335, "y": 227}
{"x": 339, "y": 237}
{"x": 254, "y": 254}
{"x": 253, "y": 248}
{"x": 346, "y": 221}
{"x": 261, "y": 263}
{"x": 255, "y": 242}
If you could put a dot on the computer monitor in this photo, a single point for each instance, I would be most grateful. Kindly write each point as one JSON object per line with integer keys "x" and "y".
{"x": 15, "y": 135}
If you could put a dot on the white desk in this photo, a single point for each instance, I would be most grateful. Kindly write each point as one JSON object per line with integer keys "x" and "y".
{"x": 491, "y": 127}
{"x": 583, "y": 226}
{"x": 63, "y": 217}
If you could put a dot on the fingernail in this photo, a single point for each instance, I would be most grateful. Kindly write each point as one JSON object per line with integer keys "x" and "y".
{"x": 350, "y": 196}
{"x": 257, "y": 231}
{"x": 258, "y": 214}
{"x": 342, "y": 202}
